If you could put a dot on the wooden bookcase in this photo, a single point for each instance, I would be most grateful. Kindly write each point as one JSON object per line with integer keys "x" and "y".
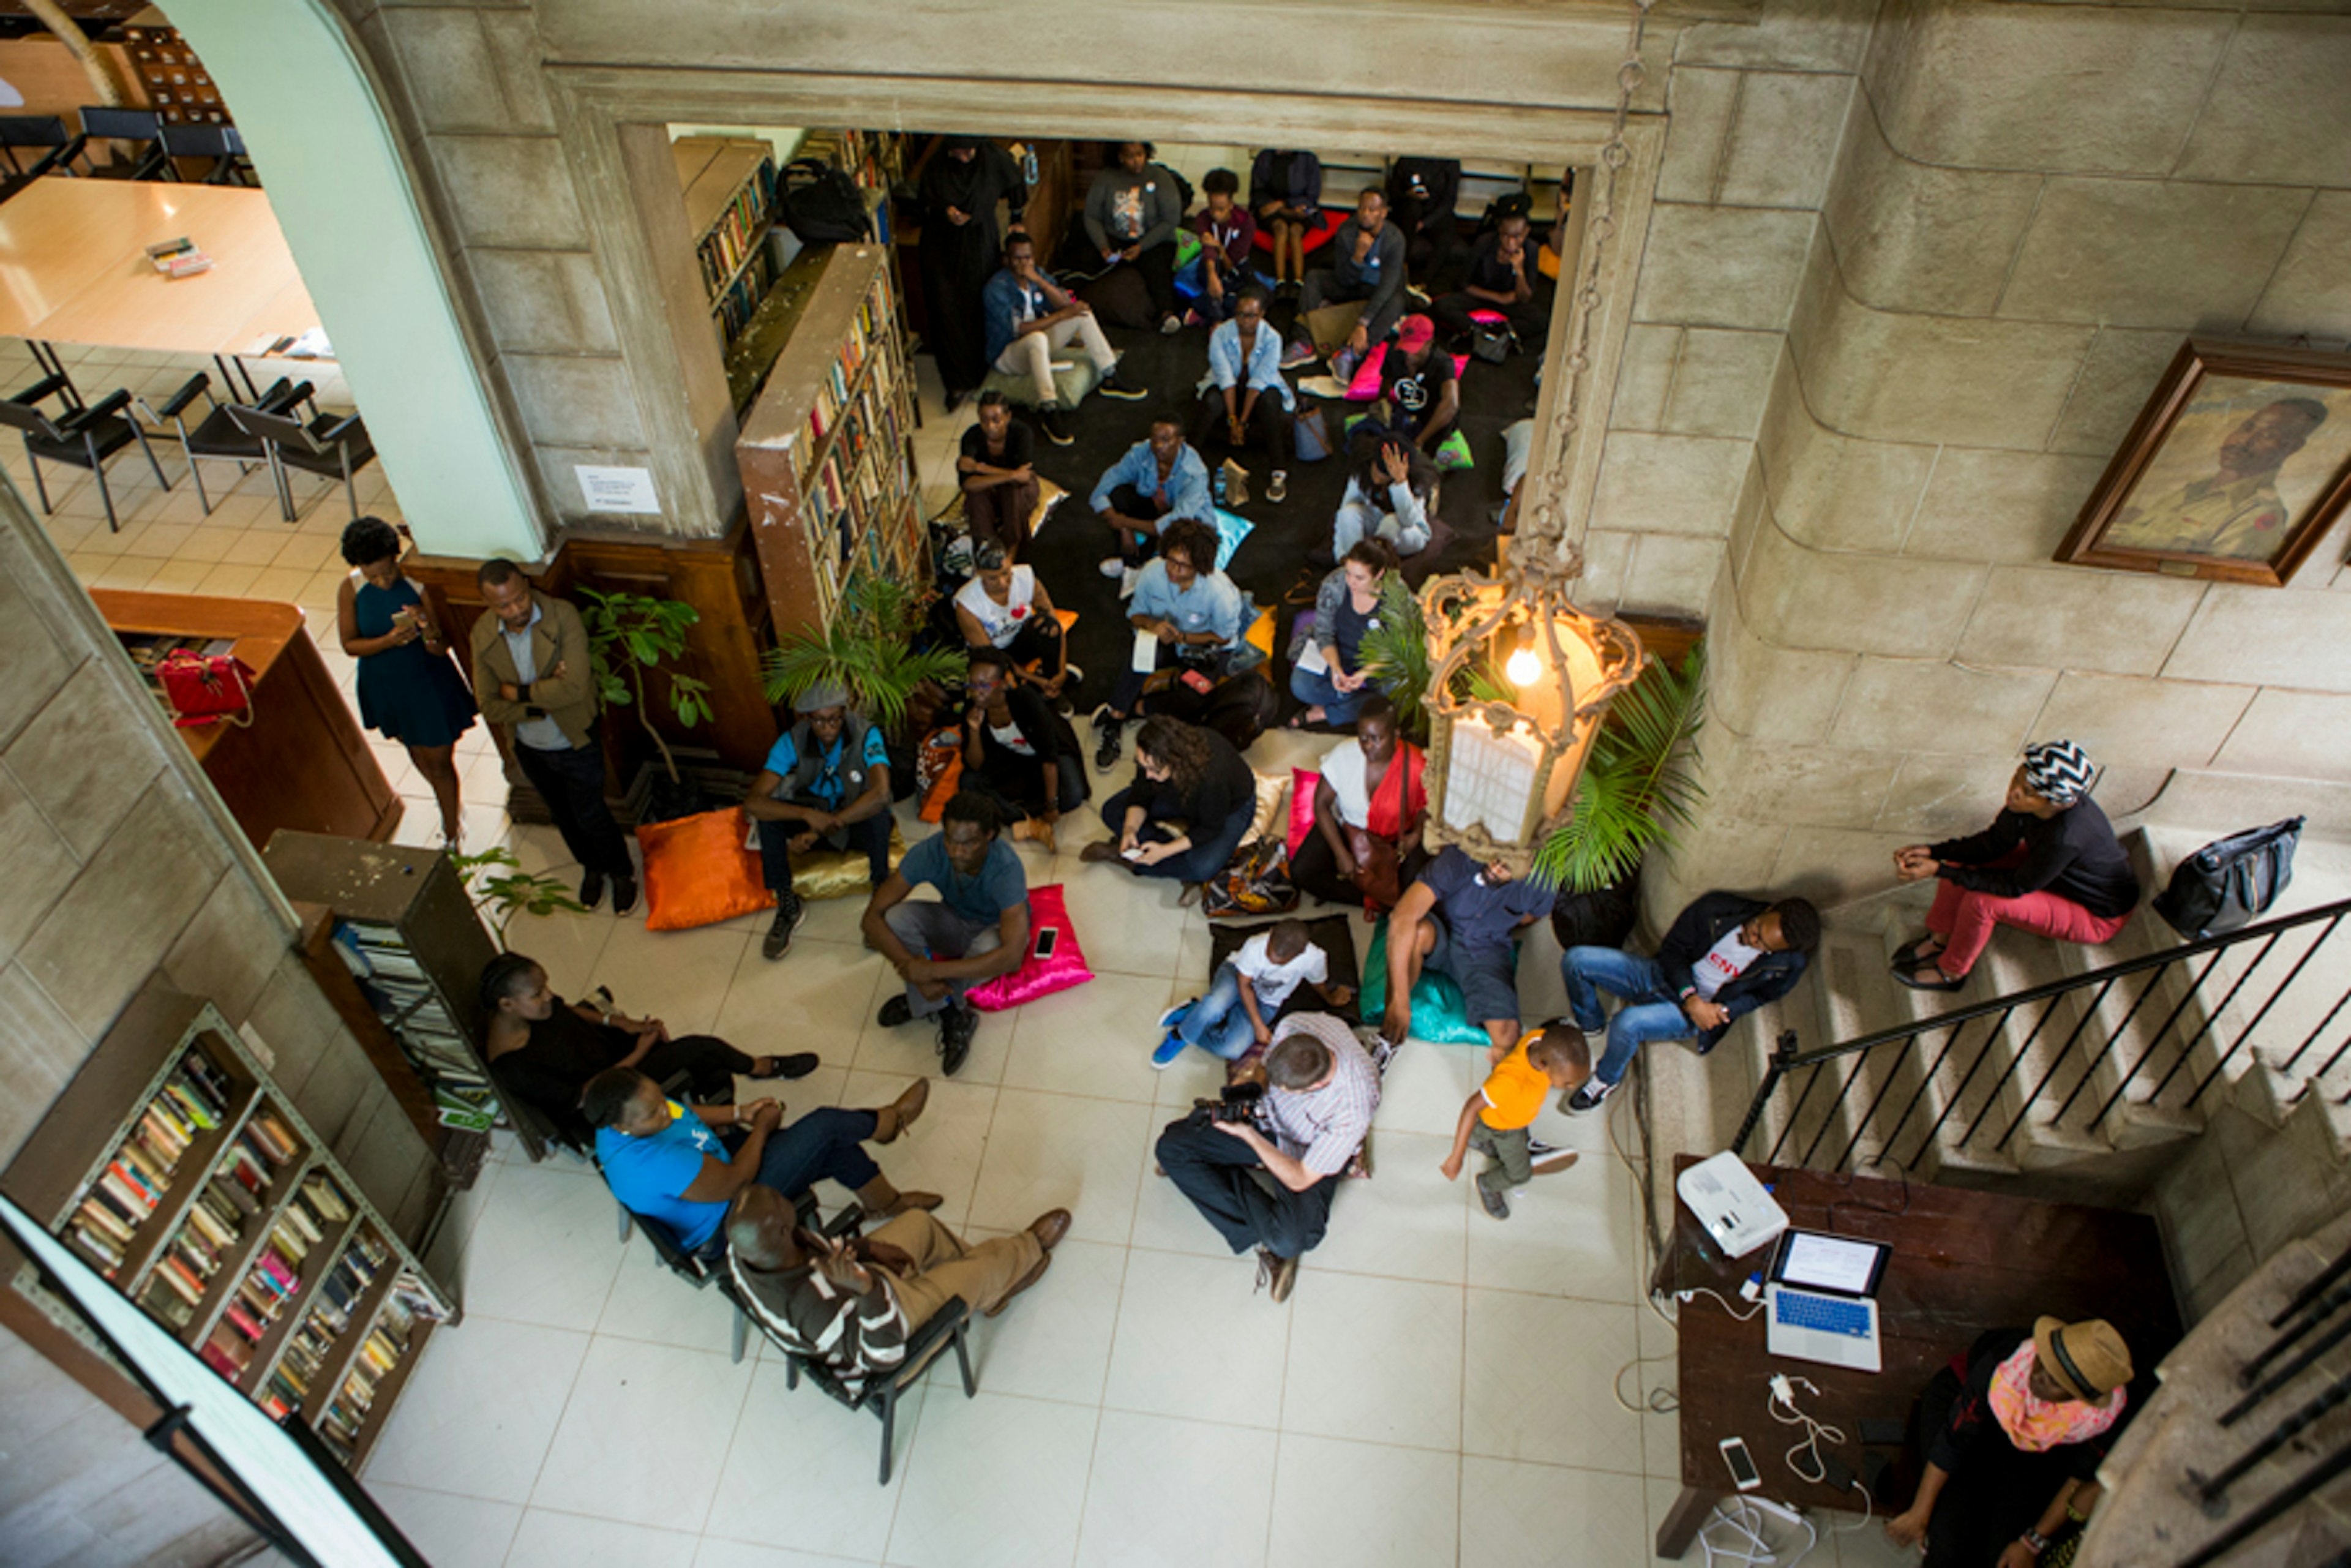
{"x": 826, "y": 452}
{"x": 729, "y": 185}
{"x": 173, "y": 1165}
{"x": 392, "y": 937}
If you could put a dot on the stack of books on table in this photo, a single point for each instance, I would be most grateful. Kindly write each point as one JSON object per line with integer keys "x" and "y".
{"x": 179, "y": 257}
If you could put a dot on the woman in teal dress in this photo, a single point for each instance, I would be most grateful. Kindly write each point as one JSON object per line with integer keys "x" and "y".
{"x": 410, "y": 689}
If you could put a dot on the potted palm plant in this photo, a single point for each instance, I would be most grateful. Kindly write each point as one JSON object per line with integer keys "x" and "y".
{"x": 868, "y": 647}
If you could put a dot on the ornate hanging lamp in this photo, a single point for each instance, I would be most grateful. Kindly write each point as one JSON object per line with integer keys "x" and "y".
{"x": 1501, "y": 774}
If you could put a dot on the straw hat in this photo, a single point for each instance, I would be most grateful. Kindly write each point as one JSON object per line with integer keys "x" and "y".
{"x": 2088, "y": 1359}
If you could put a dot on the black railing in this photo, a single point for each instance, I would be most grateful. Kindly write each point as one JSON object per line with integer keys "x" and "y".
{"x": 1960, "y": 1072}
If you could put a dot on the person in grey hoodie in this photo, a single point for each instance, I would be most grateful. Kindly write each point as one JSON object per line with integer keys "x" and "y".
{"x": 1368, "y": 263}
{"x": 1133, "y": 211}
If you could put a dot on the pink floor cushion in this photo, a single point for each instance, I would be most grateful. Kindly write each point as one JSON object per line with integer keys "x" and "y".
{"x": 1366, "y": 385}
{"x": 1302, "y": 785}
{"x": 1063, "y": 967}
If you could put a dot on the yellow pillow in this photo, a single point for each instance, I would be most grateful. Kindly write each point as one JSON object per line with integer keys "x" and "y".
{"x": 835, "y": 874}
{"x": 1272, "y": 798}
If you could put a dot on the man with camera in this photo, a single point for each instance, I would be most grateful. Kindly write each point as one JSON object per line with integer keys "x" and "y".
{"x": 1263, "y": 1168}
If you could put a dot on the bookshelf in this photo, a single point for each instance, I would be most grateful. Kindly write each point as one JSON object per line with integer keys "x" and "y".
{"x": 392, "y": 937}
{"x": 826, "y": 452}
{"x": 729, "y": 186}
{"x": 176, "y": 1167}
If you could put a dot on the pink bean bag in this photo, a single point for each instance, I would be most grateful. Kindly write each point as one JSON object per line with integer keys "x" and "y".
{"x": 1038, "y": 977}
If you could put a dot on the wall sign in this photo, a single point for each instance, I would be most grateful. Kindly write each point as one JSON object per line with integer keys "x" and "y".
{"x": 617, "y": 489}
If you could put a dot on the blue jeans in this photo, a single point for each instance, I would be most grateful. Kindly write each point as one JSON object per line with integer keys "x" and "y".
{"x": 1316, "y": 689}
{"x": 1218, "y": 1023}
{"x": 1651, "y": 1011}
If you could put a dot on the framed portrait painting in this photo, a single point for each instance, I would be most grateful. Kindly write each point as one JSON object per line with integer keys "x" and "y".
{"x": 2236, "y": 469}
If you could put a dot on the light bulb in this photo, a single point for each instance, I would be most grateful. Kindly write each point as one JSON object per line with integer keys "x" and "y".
{"x": 1524, "y": 669}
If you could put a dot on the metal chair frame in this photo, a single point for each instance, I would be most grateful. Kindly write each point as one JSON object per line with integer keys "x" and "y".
{"x": 85, "y": 427}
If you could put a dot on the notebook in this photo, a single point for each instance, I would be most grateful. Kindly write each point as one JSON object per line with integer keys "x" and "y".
{"x": 1821, "y": 1299}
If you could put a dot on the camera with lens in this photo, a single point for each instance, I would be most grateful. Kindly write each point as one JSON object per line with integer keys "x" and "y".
{"x": 1239, "y": 1102}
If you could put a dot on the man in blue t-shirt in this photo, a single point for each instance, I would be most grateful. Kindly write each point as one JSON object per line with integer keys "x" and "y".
{"x": 665, "y": 1162}
{"x": 827, "y": 777}
{"x": 977, "y": 929}
{"x": 1460, "y": 919}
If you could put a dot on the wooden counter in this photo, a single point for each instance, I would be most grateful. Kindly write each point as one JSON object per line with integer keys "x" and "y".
{"x": 303, "y": 763}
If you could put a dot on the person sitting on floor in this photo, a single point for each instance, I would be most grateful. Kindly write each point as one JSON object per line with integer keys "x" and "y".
{"x": 996, "y": 463}
{"x": 1419, "y": 387}
{"x": 1723, "y": 958}
{"x": 1322, "y": 1090}
{"x": 1184, "y": 815}
{"x": 1346, "y": 606}
{"x": 1028, "y": 317}
{"x": 1502, "y": 278}
{"x": 1458, "y": 919}
{"x": 1247, "y": 400}
{"x": 1250, "y": 989}
{"x": 543, "y": 1049}
{"x": 1159, "y": 480}
{"x": 2049, "y": 864}
{"x": 977, "y": 929}
{"x": 1422, "y": 193}
{"x": 1193, "y": 613}
{"x": 1390, "y": 492}
{"x": 853, "y": 1303}
{"x": 1495, "y": 1120}
{"x": 1132, "y": 210}
{"x": 1018, "y": 752}
{"x": 1227, "y": 238}
{"x": 663, "y": 1161}
{"x": 2013, "y": 1432}
{"x": 826, "y": 779}
{"x": 1364, "y": 847}
{"x": 1368, "y": 263}
{"x": 1004, "y": 606}
{"x": 1286, "y": 199}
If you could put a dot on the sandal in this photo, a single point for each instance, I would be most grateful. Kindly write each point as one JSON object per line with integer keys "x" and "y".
{"x": 1907, "y": 956}
{"x": 1911, "y": 977}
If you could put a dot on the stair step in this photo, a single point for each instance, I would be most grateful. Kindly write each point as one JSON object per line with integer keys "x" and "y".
{"x": 2124, "y": 1059}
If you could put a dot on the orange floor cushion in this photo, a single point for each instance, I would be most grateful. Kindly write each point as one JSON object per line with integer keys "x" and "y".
{"x": 699, "y": 873}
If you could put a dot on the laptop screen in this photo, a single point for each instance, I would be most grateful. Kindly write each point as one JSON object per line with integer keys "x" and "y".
{"x": 1837, "y": 1264}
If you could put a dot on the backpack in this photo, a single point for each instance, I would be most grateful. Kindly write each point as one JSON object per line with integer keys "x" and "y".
{"x": 820, "y": 203}
{"x": 2230, "y": 881}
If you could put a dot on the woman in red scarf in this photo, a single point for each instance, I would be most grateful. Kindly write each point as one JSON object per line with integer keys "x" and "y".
{"x": 1364, "y": 847}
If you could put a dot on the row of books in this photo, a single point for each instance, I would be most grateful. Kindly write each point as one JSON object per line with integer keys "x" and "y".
{"x": 193, "y": 1100}
{"x": 874, "y": 158}
{"x": 274, "y": 1279}
{"x": 739, "y": 301}
{"x": 740, "y": 228}
{"x": 871, "y": 326}
{"x": 395, "y": 985}
{"x": 313, "y": 1343}
{"x": 387, "y": 1344}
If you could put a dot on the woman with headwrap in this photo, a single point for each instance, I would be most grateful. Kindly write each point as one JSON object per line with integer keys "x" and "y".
{"x": 2013, "y": 1434}
{"x": 961, "y": 251}
{"x": 2049, "y": 864}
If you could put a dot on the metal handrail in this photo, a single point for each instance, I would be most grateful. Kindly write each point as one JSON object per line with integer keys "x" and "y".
{"x": 1788, "y": 1055}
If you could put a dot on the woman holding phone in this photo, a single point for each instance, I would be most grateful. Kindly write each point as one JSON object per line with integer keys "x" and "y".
{"x": 410, "y": 689}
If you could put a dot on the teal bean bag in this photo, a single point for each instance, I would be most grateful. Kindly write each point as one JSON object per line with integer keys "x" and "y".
{"x": 1438, "y": 1012}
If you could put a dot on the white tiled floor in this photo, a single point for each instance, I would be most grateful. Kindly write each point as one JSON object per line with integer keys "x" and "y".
{"x": 1437, "y": 1391}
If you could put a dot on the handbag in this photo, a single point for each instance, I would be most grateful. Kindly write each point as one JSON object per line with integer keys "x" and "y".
{"x": 1381, "y": 882}
{"x": 1491, "y": 343}
{"x": 1311, "y": 438}
{"x": 2230, "y": 881}
{"x": 1256, "y": 883}
{"x": 821, "y": 205}
{"x": 204, "y": 689}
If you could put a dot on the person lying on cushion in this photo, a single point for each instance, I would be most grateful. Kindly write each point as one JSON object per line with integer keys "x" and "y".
{"x": 1195, "y": 615}
{"x": 1390, "y": 490}
{"x": 665, "y": 1162}
{"x": 1004, "y": 606}
{"x": 977, "y": 930}
{"x": 2049, "y": 864}
{"x": 1183, "y": 774}
{"x": 1364, "y": 847}
{"x": 1458, "y": 919}
{"x": 827, "y": 779}
{"x": 852, "y": 1303}
{"x": 543, "y": 1049}
{"x": 1018, "y": 752}
{"x": 1419, "y": 387}
{"x": 1346, "y": 606}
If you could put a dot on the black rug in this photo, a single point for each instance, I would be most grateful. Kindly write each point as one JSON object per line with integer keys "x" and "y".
{"x": 1331, "y": 932}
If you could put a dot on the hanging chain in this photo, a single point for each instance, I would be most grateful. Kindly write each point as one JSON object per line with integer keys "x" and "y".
{"x": 1543, "y": 549}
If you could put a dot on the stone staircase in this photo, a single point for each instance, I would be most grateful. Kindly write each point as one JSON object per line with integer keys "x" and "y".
{"x": 2085, "y": 1096}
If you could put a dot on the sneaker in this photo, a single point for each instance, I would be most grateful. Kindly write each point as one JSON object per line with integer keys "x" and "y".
{"x": 1589, "y": 1097}
{"x": 1169, "y": 325}
{"x": 1049, "y": 420}
{"x": 1495, "y": 1203}
{"x": 895, "y": 1011}
{"x": 1113, "y": 567}
{"x": 1178, "y": 1013}
{"x": 951, "y": 401}
{"x": 1170, "y": 1049}
{"x": 1277, "y": 490}
{"x": 1125, "y": 391}
{"x": 1275, "y": 1276}
{"x": 1537, "y": 1148}
{"x": 789, "y": 912}
{"x": 1299, "y": 353}
{"x": 956, "y": 1026}
{"x": 592, "y": 890}
{"x": 1106, "y": 748}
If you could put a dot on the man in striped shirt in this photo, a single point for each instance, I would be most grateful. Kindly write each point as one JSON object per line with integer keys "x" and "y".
{"x": 1322, "y": 1088}
{"x": 853, "y": 1304}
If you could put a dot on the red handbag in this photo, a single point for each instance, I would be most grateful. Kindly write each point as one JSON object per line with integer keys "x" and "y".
{"x": 205, "y": 689}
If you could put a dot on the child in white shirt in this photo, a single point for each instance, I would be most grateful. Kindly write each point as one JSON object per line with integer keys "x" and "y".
{"x": 1250, "y": 988}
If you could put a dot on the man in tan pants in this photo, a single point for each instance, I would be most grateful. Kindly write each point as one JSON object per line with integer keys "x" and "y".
{"x": 854, "y": 1305}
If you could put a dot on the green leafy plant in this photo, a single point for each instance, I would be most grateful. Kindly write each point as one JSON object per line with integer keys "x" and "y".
{"x": 1638, "y": 787}
{"x": 629, "y": 636}
{"x": 501, "y": 890}
{"x": 868, "y": 649}
{"x": 1394, "y": 653}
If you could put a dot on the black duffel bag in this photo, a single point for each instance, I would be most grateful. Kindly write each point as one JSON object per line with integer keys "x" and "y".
{"x": 2230, "y": 881}
{"x": 821, "y": 205}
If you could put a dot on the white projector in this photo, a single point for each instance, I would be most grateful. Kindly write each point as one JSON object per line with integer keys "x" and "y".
{"x": 1737, "y": 1213}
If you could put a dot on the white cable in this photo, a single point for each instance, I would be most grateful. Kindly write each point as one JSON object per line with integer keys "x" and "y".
{"x": 1749, "y": 1548}
{"x": 1736, "y": 1315}
{"x": 1783, "y": 1396}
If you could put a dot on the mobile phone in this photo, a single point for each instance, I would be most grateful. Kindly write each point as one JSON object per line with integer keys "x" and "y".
{"x": 1046, "y": 936}
{"x": 1199, "y": 682}
{"x": 1882, "y": 1432}
{"x": 1742, "y": 1469}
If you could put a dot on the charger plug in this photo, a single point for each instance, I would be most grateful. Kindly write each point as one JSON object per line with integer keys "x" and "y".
{"x": 1782, "y": 1391}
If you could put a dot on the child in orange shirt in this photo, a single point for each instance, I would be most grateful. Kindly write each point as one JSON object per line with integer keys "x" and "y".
{"x": 1496, "y": 1118}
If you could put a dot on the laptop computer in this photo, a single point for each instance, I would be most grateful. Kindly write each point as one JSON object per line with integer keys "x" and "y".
{"x": 1820, "y": 1299}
